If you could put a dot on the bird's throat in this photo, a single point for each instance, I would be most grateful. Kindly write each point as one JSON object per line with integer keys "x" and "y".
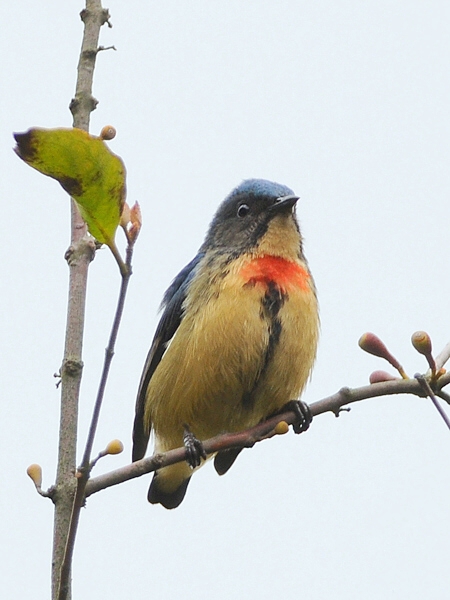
{"x": 285, "y": 274}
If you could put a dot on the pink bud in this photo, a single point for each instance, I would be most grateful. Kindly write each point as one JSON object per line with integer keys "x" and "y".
{"x": 379, "y": 376}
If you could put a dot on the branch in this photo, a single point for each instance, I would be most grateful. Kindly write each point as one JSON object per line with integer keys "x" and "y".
{"x": 429, "y": 392}
{"x": 79, "y": 255}
{"x": 443, "y": 357}
{"x": 262, "y": 431}
{"x": 81, "y": 106}
{"x": 85, "y": 468}
{"x": 109, "y": 353}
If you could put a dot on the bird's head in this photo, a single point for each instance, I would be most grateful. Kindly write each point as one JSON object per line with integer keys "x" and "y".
{"x": 257, "y": 216}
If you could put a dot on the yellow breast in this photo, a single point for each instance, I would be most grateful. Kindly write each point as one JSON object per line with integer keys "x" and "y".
{"x": 221, "y": 350}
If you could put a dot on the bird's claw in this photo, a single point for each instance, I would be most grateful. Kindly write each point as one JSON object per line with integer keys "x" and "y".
{"x": 194, "y": 448}
{"x": 303, "y": 413}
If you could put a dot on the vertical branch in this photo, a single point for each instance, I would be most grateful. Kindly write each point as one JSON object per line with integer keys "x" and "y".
{"x": 86, "y": 466}
{"x": 79, "y": 255}
{"x": 93, "y": 17}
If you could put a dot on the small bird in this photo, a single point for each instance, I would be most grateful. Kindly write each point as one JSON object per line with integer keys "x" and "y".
{"x": 237, "y": 339}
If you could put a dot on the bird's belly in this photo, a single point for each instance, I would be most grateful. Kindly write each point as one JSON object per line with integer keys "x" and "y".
{"x": 218, "y": 374}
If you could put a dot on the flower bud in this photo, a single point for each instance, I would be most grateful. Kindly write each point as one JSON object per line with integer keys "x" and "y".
{"x": 35, "y": 473}
{"x": 371, "y": 343}
{"x": 379, "y": 376}
{"x": 108, "y": 132}
{"x": 114, "y": 447}
{"x": 422, "y": 342}
{"x": 125, "y": 215}
{"x": 281, "y": 428}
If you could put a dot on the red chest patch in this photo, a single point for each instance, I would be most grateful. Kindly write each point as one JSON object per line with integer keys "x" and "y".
{"x": 284, "y": 273}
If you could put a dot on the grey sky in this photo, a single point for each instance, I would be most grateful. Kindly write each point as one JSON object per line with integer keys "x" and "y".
{"x": 345, "y": 102}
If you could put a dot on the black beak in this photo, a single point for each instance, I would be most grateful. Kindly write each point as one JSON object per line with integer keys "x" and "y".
{"x": 284, "y": 203}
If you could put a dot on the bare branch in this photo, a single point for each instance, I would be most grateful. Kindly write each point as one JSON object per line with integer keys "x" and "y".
{"x": 429, "y": 392}
{"x": 102, "y": 48}
{"x": 85, "y": 468}
{"x": 81, "y": 106}
{"x": 248, "y": 438}
{"x": 442, "y": 382}
{"x": 80, "y": 254}
{"x": 444, "y": 396}
{"x": 443, "y": 357}
{"x": 109, "y": 353}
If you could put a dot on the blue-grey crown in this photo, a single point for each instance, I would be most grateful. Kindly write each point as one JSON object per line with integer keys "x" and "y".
{"x": 261, "y": 187}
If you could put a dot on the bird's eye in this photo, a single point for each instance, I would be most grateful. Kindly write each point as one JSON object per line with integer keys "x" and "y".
{"x": 243, "y": 210}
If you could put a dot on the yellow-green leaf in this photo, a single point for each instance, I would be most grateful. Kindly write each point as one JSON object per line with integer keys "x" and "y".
{"x": 86, "y": 169}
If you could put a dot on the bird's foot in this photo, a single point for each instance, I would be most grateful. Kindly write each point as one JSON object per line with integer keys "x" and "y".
{"x": 304, "y": 416}
{"x": 194, "y": 448}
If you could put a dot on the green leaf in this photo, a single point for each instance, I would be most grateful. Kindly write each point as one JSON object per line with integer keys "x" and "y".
{"x": 86, "y": 169}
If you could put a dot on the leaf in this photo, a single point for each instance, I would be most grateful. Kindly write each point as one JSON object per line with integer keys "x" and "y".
{"x": 86, "y": 169}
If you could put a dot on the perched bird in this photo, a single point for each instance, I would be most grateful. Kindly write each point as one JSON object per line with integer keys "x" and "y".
{"x": 237, "y": 338}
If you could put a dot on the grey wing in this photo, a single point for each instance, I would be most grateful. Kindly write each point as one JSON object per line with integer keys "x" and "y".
{"x": 167, "y": 326}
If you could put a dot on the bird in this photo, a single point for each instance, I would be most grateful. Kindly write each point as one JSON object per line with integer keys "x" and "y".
{"x": 237, "y": 338}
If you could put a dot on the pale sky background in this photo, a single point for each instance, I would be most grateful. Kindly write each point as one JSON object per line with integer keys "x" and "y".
{"x": 347, "y": 103}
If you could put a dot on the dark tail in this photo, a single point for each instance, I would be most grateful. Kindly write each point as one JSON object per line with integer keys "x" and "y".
{"x": 225, "y": 459}
{"x": 170, "y": 499}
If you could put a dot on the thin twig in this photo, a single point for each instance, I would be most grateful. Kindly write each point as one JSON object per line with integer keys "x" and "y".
{"x": 109, "y": 353}
{"x": 443, "y": 357}
{"x": 102, "y": 48}
{"x": 429, "y": 392}
{"x": 444, "y": 396}
{"x": 119, "y": 260}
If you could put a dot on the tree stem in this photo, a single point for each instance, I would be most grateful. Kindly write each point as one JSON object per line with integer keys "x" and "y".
{"x": 83, "y": 472}
{"x": 79, "y": 255}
